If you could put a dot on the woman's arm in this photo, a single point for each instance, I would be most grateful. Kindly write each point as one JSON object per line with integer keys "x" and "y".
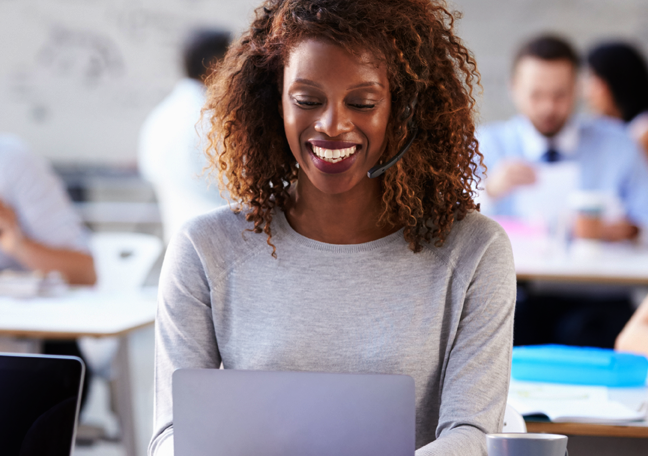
{"x": 184, "y": 331}
{"x": 475, "y": 385}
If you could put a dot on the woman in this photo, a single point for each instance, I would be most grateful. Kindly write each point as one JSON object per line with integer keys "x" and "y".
{"x": 617, "y": 86}
{"x": 396, "y": 273}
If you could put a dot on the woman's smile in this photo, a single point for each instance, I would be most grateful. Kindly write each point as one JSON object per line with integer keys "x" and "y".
{"x": 332, "y": 156}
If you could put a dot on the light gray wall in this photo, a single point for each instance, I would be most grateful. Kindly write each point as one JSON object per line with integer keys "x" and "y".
{"x": 494, "y": 30}
{"x": 77, "y": 77}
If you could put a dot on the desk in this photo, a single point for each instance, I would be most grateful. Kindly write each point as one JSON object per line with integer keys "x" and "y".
{"x": 632, "y": 430}
{"x": 537, "y": 258}
{"x": 599, "y": 439}
{"x": 87, "y": 312}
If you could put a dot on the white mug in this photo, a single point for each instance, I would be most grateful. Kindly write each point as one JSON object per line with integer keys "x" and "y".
{"x": 526, "y": 444}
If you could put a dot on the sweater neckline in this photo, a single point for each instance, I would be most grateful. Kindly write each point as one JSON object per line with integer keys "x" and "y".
{"x": 293, "y": 236}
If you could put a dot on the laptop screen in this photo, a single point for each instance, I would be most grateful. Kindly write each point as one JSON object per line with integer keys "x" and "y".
{"x": 39, "y": 398}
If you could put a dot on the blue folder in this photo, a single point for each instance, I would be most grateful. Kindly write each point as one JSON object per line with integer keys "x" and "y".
{"x": 578, "y": 366}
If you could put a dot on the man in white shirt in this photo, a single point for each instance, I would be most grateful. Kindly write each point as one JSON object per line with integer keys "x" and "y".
{"x": 39, "y": 229}
{"x": 171, "y": 147}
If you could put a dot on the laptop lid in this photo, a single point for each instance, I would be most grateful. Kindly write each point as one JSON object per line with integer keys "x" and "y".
{"x": 240, "y": 413}
{"x": 39, "y": 404}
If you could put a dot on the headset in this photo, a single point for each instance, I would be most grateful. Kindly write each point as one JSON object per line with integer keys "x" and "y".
{"x": 412, "y": 130}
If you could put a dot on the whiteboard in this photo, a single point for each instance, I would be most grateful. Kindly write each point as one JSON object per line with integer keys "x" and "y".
{"x": 78, "y": 77}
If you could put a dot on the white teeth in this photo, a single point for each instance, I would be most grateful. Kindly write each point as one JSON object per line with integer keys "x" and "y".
{"x": 333, "y": 155}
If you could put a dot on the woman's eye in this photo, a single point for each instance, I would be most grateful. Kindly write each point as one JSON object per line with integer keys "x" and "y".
{"x": 363, "y": 106}
{"x": 307, "y": 103}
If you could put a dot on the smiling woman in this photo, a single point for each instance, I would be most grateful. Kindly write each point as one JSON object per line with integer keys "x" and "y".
{"x": 344, "y": 131}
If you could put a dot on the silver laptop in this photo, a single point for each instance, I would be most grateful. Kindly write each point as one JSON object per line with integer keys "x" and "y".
{"x": 39, "y": 404}
{"x": 243, "y": 413}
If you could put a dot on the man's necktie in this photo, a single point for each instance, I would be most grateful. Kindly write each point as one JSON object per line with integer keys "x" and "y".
{"x": 551, "y": 155}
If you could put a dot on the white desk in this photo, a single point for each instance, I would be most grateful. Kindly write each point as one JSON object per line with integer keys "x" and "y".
{"x": 539, "y": 258}
{"x": 86, "y": 312}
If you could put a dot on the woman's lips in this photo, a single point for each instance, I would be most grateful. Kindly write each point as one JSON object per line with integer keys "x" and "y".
{"x": 332, "y": 157}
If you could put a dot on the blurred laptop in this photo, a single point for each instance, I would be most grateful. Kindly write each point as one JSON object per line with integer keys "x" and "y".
{"x": 39, "y": 404}
{"x": 239, "y": 413}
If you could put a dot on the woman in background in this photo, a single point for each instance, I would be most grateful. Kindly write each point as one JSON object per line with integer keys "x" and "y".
{"x": 617, "y": 86}
{"x": 349, "y": 251}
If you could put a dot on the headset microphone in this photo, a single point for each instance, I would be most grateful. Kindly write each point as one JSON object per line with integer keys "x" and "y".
{"x": 412, "y": 130}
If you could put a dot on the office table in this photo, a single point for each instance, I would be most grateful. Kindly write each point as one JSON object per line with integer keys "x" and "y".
{"x": 538, "y": 257}
{"x": 87, "y": 312}
{"x": 631, "y": 430}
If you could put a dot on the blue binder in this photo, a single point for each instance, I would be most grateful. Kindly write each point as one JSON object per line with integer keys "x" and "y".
{"x": 578, "y": 366}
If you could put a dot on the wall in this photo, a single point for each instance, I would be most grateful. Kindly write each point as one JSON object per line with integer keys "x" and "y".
{"x": 493, "y": 30}
{"x": 77, "y": 77}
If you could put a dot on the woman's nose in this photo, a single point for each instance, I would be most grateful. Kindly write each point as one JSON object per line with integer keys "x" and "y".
{"x": 334, "y": 121}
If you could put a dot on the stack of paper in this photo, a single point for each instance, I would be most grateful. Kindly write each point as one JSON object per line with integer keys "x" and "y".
{"x": 574, "y": 403}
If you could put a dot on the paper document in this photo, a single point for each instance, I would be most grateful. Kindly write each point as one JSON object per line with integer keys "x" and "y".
{"x": 575, "y": 403}
{"x": 547, "y": 199}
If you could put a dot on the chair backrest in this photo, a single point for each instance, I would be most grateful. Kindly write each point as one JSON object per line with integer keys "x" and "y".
{"x": 513, "y": 421}
{"x": 123, "y": 260}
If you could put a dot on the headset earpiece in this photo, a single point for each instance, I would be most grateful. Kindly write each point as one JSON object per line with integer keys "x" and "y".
{"x": 412, "y": 130}
{"x": 406, "y": 113}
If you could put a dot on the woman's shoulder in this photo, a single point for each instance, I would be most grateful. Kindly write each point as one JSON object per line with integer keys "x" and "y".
{"x": 478, "y": 228}
{"x": 473, "y": 240}
{"x": 220, "y": 237}
{"x": 219, "y": 222}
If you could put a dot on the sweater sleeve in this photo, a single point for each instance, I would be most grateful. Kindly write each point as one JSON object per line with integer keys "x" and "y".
{"x": 475, "y": 385}
{"x": 185, "y": 336}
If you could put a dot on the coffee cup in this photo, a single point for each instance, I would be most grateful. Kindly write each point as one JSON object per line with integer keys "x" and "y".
{"x": 589, "y": 208}
{"x": 526, "y": 444}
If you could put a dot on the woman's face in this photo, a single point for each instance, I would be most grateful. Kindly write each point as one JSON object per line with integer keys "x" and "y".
{"x": 335, "y": 107}
{"x": 598, "y": 96}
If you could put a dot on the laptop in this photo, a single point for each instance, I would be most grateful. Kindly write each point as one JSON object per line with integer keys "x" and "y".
{"x": 242, "y": 413}
{"x": 39, "y": 404}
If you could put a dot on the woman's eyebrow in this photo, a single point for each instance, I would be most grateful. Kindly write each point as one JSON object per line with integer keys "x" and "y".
{"x": 366, "y": 84}
{"x": 310, "y": 82}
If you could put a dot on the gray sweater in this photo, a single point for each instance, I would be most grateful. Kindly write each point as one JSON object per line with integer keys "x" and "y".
{"x": 443, "y": 316}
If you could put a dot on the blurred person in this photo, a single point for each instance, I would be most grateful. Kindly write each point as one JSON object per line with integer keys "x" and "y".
{"x": 39, "y": 229}
{"x": 634, "y": 337}
{"x": 617, "y": 86}
{"x": 171, "y": 149}
{"x": 546, "y": 133}
{"x": 543, "y": 87}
